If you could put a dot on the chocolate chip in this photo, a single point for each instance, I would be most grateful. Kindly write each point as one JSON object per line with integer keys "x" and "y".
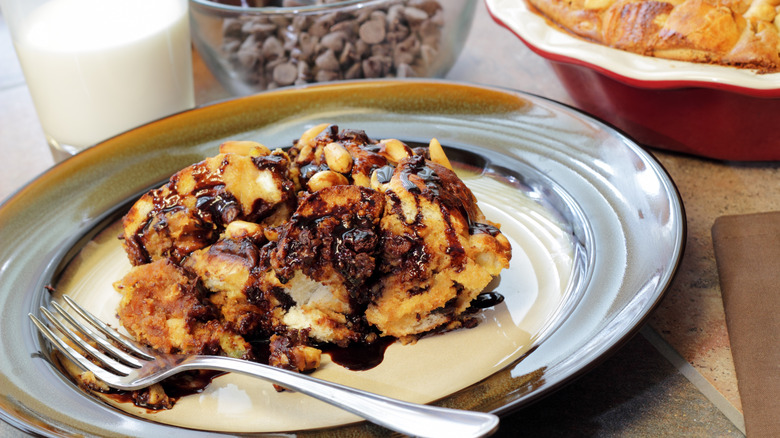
{"x": 372, "y": 31}
{"x": 248, "y": 53}
{"x": 429, "y": 6}
{"x": 231, "y": 28}
{"x": 259, "y": 29}
{"x": 355, "y": 71}
{"x": 304, "y": 72}
{"x": 327, "y": 61}
{"x": 285, "y": 74}
{"x": 326, "y": 75}
{"x": 401, "y": 39}
{"x": 231, "y": 46}
{"x": 307, "y": 44}
{"x": 405, "y": 52}
{"x": 301, "y": 22}
{"x": 347, "y": 27}
{"x": 333, "y": 41}
{"x": 349, "y": 54}
{"x": 414, "y": 15}
{"x": 272, "y": 48}
{"x": 376, "y": 66}
{"x": 322, "y": 25}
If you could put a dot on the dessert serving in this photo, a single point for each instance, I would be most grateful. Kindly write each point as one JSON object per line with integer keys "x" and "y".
{"x": 738, "y": 33}
{"x": 341, "y": 240}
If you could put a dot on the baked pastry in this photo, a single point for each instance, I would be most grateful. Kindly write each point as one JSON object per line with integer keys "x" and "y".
{"x": 739, "y": 33}
{"x": 340, "y": 240}
{"x": 195, "y": 206}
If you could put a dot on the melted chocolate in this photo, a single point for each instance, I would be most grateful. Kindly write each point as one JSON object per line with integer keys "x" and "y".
{"x": 217, "y": 206}
{"x": 356, "y": 357}
{"x": 476, "y": 227}
{"x": 417, "y": 166}
{"x": 176, "y": 387}
{"x": 359, "y": 357}
{"x": 384, "y": 174}
{"x": 189, "y": 383}
{"x": 487, "y": 299}
{"x": 350, "y": 237}
{"x": 261, "y": 348}
{"x": 309, "y": 170}
{"x": 275, "y": 163}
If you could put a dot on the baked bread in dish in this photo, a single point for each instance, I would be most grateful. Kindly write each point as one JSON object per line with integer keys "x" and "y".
{"x": 736, "y": 33}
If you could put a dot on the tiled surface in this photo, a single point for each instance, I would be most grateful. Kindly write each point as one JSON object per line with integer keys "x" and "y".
{"x": 11, "y": 72}
{"x": 24, "y": 151}
{"x": 636, "y": 392}
{"x": 691, "y": 316}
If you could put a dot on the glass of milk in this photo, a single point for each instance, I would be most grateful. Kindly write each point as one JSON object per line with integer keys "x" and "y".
{"x": 96, "y": 68}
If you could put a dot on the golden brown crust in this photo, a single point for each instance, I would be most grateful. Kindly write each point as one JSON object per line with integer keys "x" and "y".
{"x": 432, "y": 241}
{"x": 734, "y": 33}
{"x": 191, "y": 211}
{"x": 165, "y": 307}
{"x": 629, "y": 24}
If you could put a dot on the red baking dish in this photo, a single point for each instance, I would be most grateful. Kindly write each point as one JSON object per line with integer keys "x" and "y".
{"x": 705, "y": 110}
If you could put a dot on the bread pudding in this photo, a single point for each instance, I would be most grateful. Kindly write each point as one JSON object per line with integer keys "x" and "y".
{"x": 340, "y": 240}
{"x": 738, "y": 33}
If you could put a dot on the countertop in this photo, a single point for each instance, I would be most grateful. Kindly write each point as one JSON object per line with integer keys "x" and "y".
{"x": 676, "y": 378}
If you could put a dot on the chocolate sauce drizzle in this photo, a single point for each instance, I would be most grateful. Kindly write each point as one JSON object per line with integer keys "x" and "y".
{"x": 487, "y": 299}
{"x": 477, "y": 227}
{"x": 384, "y": 174}
{"x": 361, "y": 356}
{"x": 417, "y": 166}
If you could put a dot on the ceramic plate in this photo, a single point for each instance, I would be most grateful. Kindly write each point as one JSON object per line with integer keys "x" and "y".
{"x": 597, "y": 229}
{"x": 637, "y": 70}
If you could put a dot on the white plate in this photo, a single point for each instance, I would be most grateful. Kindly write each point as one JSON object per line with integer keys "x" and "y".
{"x": 619, "y": 211}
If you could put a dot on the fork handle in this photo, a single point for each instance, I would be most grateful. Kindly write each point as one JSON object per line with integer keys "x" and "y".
{"x": 400, "y": 416}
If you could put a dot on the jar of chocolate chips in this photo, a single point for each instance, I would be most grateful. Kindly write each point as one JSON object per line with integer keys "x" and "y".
{"x": 255, "y": 45}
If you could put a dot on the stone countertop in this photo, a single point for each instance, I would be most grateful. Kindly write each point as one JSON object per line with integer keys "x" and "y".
{"x": 675, "y": 378}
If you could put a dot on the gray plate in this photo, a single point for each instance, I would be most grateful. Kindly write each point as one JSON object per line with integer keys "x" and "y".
{"x": 622, "y": 209}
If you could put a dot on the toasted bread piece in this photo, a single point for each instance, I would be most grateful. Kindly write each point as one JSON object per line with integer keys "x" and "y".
{"x": 433, "y": 250}
{"x": 325, "y": 255}
{"x": 196, "y": 205}
{"x": 165, "y": 307}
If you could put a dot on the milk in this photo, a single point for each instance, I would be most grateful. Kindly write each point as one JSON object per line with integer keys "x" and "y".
{"x": 96, "y": 68}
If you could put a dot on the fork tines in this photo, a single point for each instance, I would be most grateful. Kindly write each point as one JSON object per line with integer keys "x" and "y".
{"x": 110, "y": 358}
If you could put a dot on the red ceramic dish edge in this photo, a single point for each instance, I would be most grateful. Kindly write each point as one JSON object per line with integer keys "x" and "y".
{"x": 516, "y": 29}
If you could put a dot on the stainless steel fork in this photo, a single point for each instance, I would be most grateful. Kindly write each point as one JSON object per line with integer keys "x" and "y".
{"x": 137, "y": 367}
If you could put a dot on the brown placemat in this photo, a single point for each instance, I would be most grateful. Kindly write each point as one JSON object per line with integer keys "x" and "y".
{"x": 747, "y": 251}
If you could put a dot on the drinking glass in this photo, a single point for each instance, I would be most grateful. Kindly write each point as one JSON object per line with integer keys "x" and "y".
{"x": 96, "y": 68}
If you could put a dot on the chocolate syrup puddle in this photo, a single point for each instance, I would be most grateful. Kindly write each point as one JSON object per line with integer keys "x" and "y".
{"x": 359, "y": 357}
{"x": 487, "y": 299}
{"x": 175, "y": 387}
